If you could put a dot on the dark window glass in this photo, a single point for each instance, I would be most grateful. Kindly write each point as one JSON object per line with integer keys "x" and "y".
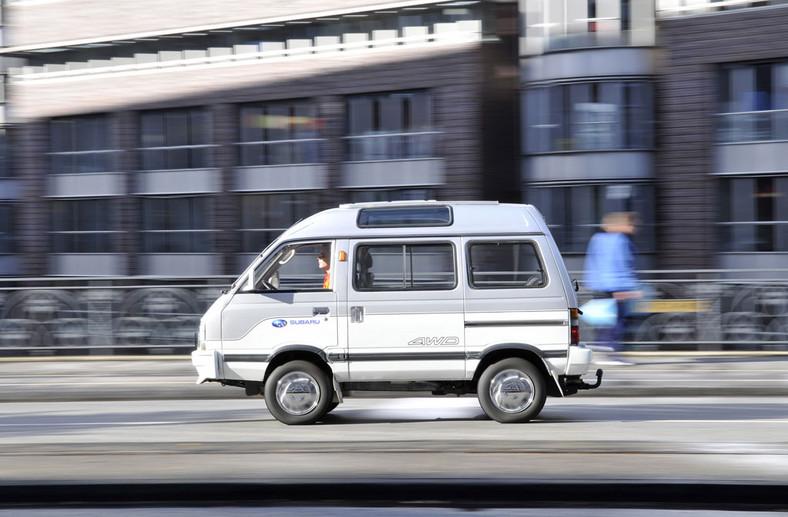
{"x": 265, "y": 216}
{"x": 390, "y": 126}
{"x": 412, "y": 194}
{"x": 6, "y": 229}
{"x": 753, "y": 99}
{"x": 573, "y": 213}
{"x": 80, "y": 145}
{"x": 503, "y": 265}
{"x": 82, "y": 226}
{"x": 280, "y": 133}
{"x": 401, "y": 267}
{"x": 175, "y": 139}
{"x": 176, "y": 225}
{"x": 600, "y": 115}
{"x": 294, "y": 267}
{"x": 405, "y": 216}
{"x": 753, "y": 215}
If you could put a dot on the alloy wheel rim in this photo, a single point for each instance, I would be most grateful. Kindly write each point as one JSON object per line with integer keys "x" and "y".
{"x": 298, "y": 393}
{"x": 512, "y": 391}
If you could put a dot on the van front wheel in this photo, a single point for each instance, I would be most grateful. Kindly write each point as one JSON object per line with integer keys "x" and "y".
{"x": 298, "y": 392}
{"x": 512, "y": 390}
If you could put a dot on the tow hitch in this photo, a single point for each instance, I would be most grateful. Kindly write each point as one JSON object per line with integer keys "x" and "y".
{"x": 571, "y": 385}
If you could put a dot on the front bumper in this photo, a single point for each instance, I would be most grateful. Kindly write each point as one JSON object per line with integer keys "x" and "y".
{"x": 207, "y": 363}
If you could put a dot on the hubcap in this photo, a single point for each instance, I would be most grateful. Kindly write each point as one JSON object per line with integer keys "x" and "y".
{"x": 298, "y": 393}
{"x": 512, "y": 391}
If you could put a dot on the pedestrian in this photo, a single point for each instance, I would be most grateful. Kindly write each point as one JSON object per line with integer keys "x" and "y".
{"x": 610, "y": 272}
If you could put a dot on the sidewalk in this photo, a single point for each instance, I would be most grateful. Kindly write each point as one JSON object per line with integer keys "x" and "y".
{"x": 172, "y": 377}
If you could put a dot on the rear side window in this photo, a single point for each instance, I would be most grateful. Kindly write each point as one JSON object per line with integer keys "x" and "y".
{"x": 505, "y": 265}
{"x": 404, "y": 267}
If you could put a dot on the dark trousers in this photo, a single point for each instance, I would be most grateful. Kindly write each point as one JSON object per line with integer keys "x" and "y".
{"x": 612, "y": 336}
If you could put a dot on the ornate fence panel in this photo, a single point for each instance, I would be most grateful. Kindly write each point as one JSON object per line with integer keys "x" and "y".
{"x": 684, "y": 310}
{"x": 110, "y": 317}
{"x": 708, "y": 310}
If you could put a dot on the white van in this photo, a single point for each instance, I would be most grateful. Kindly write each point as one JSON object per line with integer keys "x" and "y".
{"x": 443, "y": 297}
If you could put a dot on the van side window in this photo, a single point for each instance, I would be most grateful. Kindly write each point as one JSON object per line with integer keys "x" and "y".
{"x": 401, "y": 267}
{"x": 294, "y": 267}
{"x": 504, "y": 265}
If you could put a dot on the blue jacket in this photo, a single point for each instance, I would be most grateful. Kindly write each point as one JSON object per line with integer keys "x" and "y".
{"x": 610, "y": 263}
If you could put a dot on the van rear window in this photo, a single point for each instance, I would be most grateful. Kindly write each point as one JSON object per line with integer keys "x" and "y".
{"x": 404, "y": 216}
{"x": 505, "y": 265}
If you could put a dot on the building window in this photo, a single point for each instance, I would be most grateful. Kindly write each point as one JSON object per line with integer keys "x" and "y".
{"x": 175, "y": 139}
{"x": 5, "y": 152}
{"x": 753, "y": 102}
{"x": 280, "y": 133}
{"x": 82, "y": 226}
{"x": 405, "y": 194}
{"x": 80, "y": 145}
{"x": 176, "y": 225}
{"x": 391, "y": 126}
{"x": 6, "y": 229}
{"x": 265, "y": 216}
{"x": 573, "y": 213}
{"x": 754, "y": 214}
{"x": 594, "y": 116}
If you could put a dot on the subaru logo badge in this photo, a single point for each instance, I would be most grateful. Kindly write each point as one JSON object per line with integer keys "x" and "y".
{"x": 279, "y": 323}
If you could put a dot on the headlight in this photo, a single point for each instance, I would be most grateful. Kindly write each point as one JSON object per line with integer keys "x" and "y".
{"x": 201, "y": 336}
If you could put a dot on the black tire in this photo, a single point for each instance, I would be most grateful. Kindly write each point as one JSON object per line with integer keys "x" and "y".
{"x": 298, "y": 393}
{"x": 512, "y": 390}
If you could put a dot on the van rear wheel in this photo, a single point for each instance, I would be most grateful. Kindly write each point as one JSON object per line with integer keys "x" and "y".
{"x": 512, "y": 390}
{"x": 298, "y": 393}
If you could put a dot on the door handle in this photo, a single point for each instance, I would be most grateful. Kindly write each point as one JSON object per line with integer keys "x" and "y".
{"x": 357, "y": 314}
{"x": 319, "y": 310}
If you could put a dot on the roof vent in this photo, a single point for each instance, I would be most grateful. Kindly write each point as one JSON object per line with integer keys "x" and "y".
{"x": 405, "y": 216}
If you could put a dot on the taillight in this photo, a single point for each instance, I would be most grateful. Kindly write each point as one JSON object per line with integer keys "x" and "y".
{"x": 574, "y": 329}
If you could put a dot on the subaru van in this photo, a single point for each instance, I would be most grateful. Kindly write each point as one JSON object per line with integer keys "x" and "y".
{"x": 440, "y": 297}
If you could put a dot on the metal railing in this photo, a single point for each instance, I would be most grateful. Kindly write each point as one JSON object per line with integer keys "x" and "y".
{"x": 684, "y": 310}
{"x": 707, "y": 310}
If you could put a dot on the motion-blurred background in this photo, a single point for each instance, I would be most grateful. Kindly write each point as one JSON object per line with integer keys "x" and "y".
{"x": 150, "y": 149}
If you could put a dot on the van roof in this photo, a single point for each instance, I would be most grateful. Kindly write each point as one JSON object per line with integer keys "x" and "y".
{"x": 417, "y": 218}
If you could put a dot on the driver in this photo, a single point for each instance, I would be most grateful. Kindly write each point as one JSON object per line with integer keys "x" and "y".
{"x": 324, "y": 263}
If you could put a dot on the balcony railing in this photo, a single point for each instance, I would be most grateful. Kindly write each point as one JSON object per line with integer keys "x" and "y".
{"x": 752, "y": 126}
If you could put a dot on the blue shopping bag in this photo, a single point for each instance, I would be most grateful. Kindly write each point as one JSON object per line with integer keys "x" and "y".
{"x": 600, "y": 312}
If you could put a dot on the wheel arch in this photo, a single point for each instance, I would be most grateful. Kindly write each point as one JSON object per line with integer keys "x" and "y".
{"x": 525, "y": 351}
{"x": 289, "y": 353}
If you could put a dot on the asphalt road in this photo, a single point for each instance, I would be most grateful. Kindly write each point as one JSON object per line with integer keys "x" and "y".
{"x": 142, "y": 429}
{"x": 141, "y": 378}
{"x": 686, "y": 439}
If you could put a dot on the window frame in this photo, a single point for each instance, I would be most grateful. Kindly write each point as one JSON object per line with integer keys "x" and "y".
{"x": 370, "y": 135}
{"x": 149, "y": 247}
{"x": 529, "y": 242}
{"x": 294, "y": 138}
{"x": 197, "y": 135}
{"x": 266, "y": 269}
{"x": 357, "y": 248}
{"x": 73, "y": 151}
{"x": 66, "y": 233}
{"x": 299, "y": 209}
